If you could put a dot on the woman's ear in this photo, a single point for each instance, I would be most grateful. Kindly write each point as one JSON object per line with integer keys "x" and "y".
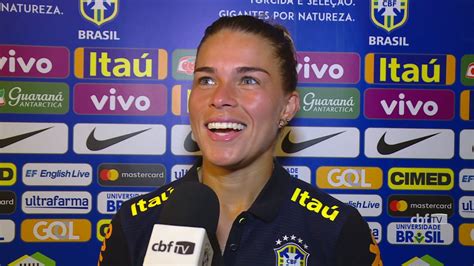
{"x": 292, "y": 106}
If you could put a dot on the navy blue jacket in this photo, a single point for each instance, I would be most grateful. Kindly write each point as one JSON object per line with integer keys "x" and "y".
{"x": 290, "y": 223}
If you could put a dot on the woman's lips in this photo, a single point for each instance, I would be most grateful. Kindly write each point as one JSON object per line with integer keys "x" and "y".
{"x": 224, "y": 131}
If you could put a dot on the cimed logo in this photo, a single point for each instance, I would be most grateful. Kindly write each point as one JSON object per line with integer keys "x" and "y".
{"x": 99, "y": 11}
{"x": 389, "y": 14}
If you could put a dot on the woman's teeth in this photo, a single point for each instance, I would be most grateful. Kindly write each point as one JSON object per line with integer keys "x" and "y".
{"x": 225, "y": 125}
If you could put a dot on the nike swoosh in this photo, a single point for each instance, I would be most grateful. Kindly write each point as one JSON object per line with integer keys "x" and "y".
{"x": 94, "y": 144}
{"x": 189, "y": 144}
{"x": 9, "y": 141}
{"x": 385, "y": 149}
{"x": 291, "y": 147}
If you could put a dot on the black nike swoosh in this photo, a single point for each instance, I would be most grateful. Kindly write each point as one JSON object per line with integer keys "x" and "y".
{"x": 189, "y": 144}
{"x": 94, "y": 144}
{"x": 385, "y": 149}
{"x": 290, "y": 147}
{"x": 9, "y": 141}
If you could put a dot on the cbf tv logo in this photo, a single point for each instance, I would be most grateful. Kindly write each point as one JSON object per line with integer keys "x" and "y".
{"x": 389, "y": 14}
{"x": 99, "y": 11}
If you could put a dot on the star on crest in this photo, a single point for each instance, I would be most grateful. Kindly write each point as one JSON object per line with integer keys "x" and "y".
{"x": 285, "y": 238}
{"x": 278, "y": 242}
{"x": 293, "y": 237}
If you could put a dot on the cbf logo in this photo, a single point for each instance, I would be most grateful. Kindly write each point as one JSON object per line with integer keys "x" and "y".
{"x": 289, "y": 251}
{"x": 389, "y": 14}
{"x": 99, "y": 11}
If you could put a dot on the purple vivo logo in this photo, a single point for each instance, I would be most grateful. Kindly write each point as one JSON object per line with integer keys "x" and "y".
{"x": 316, "y": 67}
{"x": 409, "y": 104}
{"x": 120, "y": 99}
{"x": 34, "y": 61}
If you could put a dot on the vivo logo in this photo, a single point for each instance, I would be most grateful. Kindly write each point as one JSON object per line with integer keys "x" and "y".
{"x": 120, "y": 99}
{"x": 34, "y": 61}
{"x": 141, "y": 103}
{"x": 316, "y": 67}
{"x": 409, "y": 104}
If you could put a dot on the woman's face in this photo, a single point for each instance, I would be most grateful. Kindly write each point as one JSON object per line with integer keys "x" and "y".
{"x": 237, "y": 99}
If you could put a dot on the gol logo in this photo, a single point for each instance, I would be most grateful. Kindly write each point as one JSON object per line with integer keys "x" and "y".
{"x": 421, "y": 178}
{"x": 56, "y": 230}
{"x": 7, "y": 174}
{"x": 466, "y": 234}
{"x": 349, "y": 177}
{"x": 109, "y": 174}
{"x": 102, "y": 229}
{"x": 180, "y": 98}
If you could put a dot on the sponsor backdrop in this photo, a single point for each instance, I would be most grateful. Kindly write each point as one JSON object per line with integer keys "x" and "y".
{"x": 93, "y": 111}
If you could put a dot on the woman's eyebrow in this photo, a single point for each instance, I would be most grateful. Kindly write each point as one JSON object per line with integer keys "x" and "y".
{"x": 240, "y": 70}
{"x": 246, "y": 69}
{"x": 205, "y": 69}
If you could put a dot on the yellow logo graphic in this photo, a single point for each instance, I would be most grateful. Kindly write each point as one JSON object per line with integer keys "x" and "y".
{"x": 314, "y": 205}
{"x": 389, "y": 14}
{"x": 180, "y": 99}
{"x": 466, "y": 234}
{"x": 7, "y": 174}
{"x": 102, "y": 228}
{"x": 349, "y": 177}
{"x": 56, "y": 230}
{"x": 421, "y": 178}
{"x": 99, "y": 11}
{"x": 291, "y": 254}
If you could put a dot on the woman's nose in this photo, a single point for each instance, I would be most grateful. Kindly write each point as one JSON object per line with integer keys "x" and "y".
{"x": 224, "y": 96}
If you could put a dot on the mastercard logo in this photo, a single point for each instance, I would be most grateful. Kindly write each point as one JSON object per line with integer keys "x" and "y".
{"x": 109, "y": 174}
{"x": 398, "y": 205}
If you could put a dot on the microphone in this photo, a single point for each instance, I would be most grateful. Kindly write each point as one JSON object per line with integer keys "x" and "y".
{"x": 186, "y": 230}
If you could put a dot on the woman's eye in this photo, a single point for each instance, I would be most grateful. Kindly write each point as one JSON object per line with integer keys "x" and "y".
{"x": 206, "y": 81}
{"x": 249, "y": 81}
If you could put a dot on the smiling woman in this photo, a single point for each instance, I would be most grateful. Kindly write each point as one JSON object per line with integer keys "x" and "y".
{"x": 244, "y": 93}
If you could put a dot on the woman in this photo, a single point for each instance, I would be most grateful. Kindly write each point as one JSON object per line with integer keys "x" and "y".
{"x": 244, "y": 92}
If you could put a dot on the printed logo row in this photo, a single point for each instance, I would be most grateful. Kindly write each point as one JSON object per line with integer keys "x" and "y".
{"x": 42, "y": 259}
{"x": 80, "y": 230}
{"x": 150, "y": 139}
{"x": 154, "y": 175}
{"x": 152, "y": 100}
{"x": 152, "y": 64}
{"x": 109, "y": 202}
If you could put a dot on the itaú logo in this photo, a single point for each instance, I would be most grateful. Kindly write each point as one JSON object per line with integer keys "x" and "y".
{"x": 60, "y": 230}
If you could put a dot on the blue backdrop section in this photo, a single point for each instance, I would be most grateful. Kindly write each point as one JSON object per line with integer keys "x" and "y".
{"x": 165, "y": 33}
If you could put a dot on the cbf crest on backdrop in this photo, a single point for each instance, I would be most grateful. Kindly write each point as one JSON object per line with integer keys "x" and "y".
{"x": 93, "y": 112}
{"x": 389, "y": 15}
{"x": 99, "y": 11}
